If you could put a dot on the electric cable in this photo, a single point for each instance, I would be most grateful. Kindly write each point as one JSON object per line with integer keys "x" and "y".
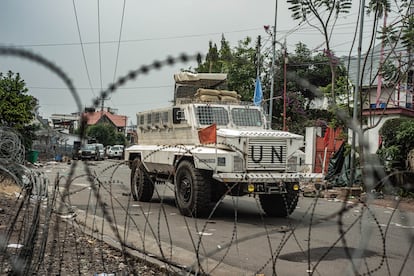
{"x": 83, "y": 50}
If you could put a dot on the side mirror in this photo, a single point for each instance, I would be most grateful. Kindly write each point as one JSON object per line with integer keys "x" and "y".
{"x": 178, "y": 115}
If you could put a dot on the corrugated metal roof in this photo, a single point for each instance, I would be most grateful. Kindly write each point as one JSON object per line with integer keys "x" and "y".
{"x": 369, "y": 72}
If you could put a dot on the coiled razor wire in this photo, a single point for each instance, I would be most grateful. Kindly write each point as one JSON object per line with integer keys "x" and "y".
{"x": 37, "y": 185}
{"x": 11, "y": 148}
{"x": 25, "y": 260}
{"x": 12, "y": 156}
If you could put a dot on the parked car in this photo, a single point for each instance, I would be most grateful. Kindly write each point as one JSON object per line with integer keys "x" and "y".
{"x": 115, "y": 151}
{"x": 88, "y": 152}
{"x": 106, "y": 150}
{"x": 101, "y": 151}
{"x": 93, "y": 151}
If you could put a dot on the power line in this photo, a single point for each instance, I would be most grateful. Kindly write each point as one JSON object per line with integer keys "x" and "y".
{"x": 83, "y": 50}
{"x": 118, "y": 46}
{"x": 85, "y": 88}
{"x": 145, "y": 103}
{"x": 119, "y": 41}
{"x": 132, "y": 40}
{"x": 100, "y": 56}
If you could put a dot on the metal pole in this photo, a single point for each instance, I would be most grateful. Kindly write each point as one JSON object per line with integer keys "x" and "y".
{"x": 284, "y": 86}
{"x": 272, "y": 70}
{"x": 379, "y": 86}
{"x": 258, "y": 56}
{"x": 357, "y": 92}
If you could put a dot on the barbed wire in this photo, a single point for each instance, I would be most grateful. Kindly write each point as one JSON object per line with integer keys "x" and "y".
{"x": 46, "y": 223}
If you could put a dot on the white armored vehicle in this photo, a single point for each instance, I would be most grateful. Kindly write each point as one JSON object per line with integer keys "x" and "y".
{"x": 209, "y": 144}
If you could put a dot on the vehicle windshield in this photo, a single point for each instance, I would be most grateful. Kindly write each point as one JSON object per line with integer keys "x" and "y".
{"x": 246, "y": 117}
{"x": 207, "y": 115}
{"x": 89, "y": 147}
{"x": 100, "y": 146}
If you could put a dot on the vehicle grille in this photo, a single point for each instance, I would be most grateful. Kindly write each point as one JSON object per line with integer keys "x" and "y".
{"x": 267, "y": 154}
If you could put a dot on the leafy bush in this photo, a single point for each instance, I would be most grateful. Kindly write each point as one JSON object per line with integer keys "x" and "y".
{"x": 106, "y": 134}
{"x": 397, "y": 140}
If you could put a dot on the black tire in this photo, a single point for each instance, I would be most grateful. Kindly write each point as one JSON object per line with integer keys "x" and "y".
{"x": 142, "y": 188}
{"x": 280, "y": 205}
{"x": 218, "y": 190}
{"x": 192, "y": 192}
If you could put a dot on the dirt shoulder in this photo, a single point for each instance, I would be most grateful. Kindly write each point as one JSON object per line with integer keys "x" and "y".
{"x": 66, "y": 249}
{"x": 402, "y": 204}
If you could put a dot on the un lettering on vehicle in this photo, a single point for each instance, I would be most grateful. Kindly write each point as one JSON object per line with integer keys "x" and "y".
{"x": 266, "y": 154}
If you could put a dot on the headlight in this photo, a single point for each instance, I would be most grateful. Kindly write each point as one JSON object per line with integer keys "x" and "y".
{"x": 296, "y": 187}
{"x": 221, "y": 161}
{"x": 250, "y": 188}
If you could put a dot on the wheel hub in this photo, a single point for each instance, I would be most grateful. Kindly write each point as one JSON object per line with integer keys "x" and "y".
{"x": 185, "y": 189}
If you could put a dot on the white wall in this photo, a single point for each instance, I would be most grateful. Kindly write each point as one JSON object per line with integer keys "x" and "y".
{"x": 371, "y": 136}
{"x": 310, "y": 147}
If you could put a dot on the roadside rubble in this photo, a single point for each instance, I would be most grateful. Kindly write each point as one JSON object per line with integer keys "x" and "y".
{"x": 322, "y": 190}
{"x": 356, "y": 194}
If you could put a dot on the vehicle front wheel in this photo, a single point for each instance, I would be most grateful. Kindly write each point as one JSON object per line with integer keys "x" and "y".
{"x": 280, "y": 205}
{"x": 192, "y": 192}
{"x": 142, "y": 187}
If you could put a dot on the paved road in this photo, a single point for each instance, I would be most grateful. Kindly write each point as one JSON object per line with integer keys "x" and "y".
{"x": 238, "y": 239}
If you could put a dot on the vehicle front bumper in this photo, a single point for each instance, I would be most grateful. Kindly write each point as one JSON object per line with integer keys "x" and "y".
{"x": 267, "y": 177}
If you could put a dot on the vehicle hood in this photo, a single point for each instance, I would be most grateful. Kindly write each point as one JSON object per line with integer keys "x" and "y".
{"x": 233, "y": 133}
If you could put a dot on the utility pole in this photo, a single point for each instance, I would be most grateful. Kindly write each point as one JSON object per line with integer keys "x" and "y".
{"x": 272, "y": 71}
{"x": 285, "y": 61}
{"x": 102, "y": 103}
{"x": 410, "y": 74}
{"x": 357, "y": 92}
{"x": 103, "y": 99}
{"x": 379, "y": 86}
{"x": 258, "y": 56}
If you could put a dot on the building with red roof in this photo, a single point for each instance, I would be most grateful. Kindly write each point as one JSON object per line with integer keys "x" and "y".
{"x": 118, "y": 121}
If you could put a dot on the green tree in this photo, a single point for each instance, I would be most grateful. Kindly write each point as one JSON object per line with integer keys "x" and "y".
{"x": 105, "y": 134}
{"x": 315, "y": 69}
{"x": 238, "y": 63}
{"x": 400, "y": 31}
{"x": 225, "y": 54}
{"x": 211, "y": 63}
{"x": 17, "y": 108}
{"x": 242, "y": 70}
{"x": 326, "y": 13}
{"x": 305, "y": 71}
{"x": 396, "y": 133}
{"x": 397, "y": 140}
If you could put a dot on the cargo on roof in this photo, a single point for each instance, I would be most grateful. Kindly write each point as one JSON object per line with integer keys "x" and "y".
{"x": 205, "y": 80}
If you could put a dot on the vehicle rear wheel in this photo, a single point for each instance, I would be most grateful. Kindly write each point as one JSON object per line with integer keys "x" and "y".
{"x": 142, "y": 187}
{"x": 280, "y": 205}
{"x": 192, "y": 191}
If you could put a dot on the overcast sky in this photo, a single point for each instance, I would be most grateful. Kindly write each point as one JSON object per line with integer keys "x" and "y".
{"x": 151, "y": 30}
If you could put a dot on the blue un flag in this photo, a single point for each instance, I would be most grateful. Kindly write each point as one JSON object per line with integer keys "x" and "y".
{"x": 258, "y": 93}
